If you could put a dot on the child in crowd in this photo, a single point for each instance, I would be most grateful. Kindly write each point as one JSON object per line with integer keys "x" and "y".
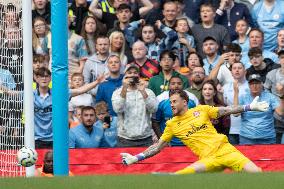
{"x": 105, "y": 125}
{"x": 185, "y": 43}
{"x": 85, "y": 99}
{"x": 242, "y": 29}
{"x": 75, "y": 119}
{"x": 39, "y": 61}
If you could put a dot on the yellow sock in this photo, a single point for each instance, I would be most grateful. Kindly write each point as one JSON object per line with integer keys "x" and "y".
{"x": 187, "y": 170}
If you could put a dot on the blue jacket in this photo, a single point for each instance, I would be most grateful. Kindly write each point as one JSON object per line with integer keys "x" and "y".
{"x": 105, "y": 91}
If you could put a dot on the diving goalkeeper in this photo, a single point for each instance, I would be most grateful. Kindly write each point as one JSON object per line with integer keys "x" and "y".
{"x": 194, "y": 129}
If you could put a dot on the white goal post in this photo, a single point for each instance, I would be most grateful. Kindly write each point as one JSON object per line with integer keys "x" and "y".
{"x": 16, "y": 94}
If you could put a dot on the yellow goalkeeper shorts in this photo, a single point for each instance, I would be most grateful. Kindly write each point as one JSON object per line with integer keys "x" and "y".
{"x": 227, "y": 156}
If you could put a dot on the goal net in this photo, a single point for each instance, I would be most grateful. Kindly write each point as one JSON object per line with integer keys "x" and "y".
{"x": 11, "y": 87}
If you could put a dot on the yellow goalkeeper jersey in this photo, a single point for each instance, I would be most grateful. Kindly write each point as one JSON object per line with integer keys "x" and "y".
{"x": 196, "y": 131}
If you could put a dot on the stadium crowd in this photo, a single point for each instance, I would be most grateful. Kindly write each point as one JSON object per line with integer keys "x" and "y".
{"x": 126, "y": 56}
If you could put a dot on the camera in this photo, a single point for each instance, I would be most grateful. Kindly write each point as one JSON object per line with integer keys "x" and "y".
{"x": 135, "y": 80}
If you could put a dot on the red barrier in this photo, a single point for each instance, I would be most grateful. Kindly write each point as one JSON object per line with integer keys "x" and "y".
{"x": 108, "y": 161}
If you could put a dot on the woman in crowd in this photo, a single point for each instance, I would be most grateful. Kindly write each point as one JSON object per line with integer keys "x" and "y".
{"x": 40, "y": 36}
{"x": 91, "y": 29}
{"x": 210, "y": 97}
{"x": 117, "y": 46}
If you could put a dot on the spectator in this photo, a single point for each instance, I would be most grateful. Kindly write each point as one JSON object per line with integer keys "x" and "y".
{"x": 91, "y": 30}
{"x": 108, "y": 18}
{"x": 160, "y": 83}
{"x": 46, "y": 170}
{"x": 197, "y": 78}
{"x": 148, "y": 67}
{"x": 77, "y": 52}
{"x": 40, "y": 39}
{"x": 85, "y": 99}
{"x": 210, "y": 50}
{"x": 117, "y": 45}
{"x": 256, "y": 40}
{"x": 42, "y": 9}
{"x": 193, "y": 60}
{"x": 170, "y": 14}
{"x": 209, "y": 96}
{"x": 209, "y": 28}
{"x": 11, "y": 16}
{"x": 164, "y": 112}
{"x": 279, "y": 116}
{"x": 85, "y": 135}
{"x": 75, "y": 120}
{"x": 134, "y": 105}
{"x": 113, "y": 82}
{"x": 257, "y": 127}
{"x": 259, "y": 65}
{"x": 123, "y": 14}
{"x": 229, "y": 12}
{"x": 43, "y": 107}
{"x": 238, "y": 72}
{"x": 148, "y": 35}
{"x": 181, "y": 13}
{"x": 95, "y": 65}
{"x": 222, "y": 70}
{"x": 280, "y": 41}
{"x": 275, "y": 76}
{"x": 268, "y": 16}
{"x": 242, "y": 29}
{"x": 106, "y": 126}
{"x": 78, "y": 10}
{"x": 185, "y": 43}
{"x": 39, "y": 61}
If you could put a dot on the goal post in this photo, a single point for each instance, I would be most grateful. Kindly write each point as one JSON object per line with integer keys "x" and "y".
{"x": 28, "y": 79}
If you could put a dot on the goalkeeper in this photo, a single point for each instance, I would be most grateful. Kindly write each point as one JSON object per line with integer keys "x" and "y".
{"x": 194, "y": 129}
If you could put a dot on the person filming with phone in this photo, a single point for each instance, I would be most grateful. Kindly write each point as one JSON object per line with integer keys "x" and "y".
{"x": 134, "y": 105}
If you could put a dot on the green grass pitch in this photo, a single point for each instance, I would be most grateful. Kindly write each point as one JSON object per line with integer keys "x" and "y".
{"x": 198, "y": 181}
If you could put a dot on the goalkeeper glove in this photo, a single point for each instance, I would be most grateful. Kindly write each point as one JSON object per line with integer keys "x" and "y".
{"x": 128, "y": 159}
{"x": 257, "y": 106}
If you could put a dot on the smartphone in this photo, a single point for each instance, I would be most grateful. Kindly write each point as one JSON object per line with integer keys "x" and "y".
{"x": 107, "y": 120}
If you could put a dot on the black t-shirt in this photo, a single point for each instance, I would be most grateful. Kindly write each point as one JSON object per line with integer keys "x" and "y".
{"x": 270, "y": 65}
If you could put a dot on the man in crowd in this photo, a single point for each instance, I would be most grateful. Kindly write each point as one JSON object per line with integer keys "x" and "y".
{"x": 259, "y": 65}
{"x": 148, "y": 67}
{"x": 134, "y": 105}
{"x": 85, "y": 135}
{"x": 196, "y": 81}
{"x": 160, "y": 82}
{"x": 208, "y": 27}
{"x": 114, "y": 81}
{"x": 257, "y": 127}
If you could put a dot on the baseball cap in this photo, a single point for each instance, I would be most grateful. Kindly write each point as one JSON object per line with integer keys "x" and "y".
{"x": 209, "y": 38}
{"x": 130, "y": 66}
{"x": 255, "y": 77}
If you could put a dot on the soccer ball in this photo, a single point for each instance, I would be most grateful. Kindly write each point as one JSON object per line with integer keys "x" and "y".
{"x": 27, "y": 156}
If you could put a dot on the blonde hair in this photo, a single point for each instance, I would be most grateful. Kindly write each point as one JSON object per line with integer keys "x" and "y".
{"x": 36, "y": 41}
{"x": 122, "y": 50}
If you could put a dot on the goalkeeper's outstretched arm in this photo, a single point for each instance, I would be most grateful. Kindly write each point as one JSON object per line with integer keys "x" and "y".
{"x": 154, "y": 149}
{"x": 254, "y": 106}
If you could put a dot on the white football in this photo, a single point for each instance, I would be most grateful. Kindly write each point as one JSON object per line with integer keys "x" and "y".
{"x": 26, "y": 156}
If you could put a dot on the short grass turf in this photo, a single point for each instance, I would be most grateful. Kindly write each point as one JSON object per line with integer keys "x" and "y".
{"x": 200, "y": 181}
